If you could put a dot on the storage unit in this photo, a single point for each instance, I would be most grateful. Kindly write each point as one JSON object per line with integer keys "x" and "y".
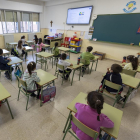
{"x": 100, "y": 54}
{"x": 75, "y": 45}
{"x": 51, "y": 42}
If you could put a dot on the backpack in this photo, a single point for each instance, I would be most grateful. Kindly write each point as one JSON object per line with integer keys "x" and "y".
{"x": 48, "y": 93}
{"x": 18, "y": 72}
{"x": 14, "y": 52}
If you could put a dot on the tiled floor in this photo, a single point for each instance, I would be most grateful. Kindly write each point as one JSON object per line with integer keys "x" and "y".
{"x": 47, "y": 122}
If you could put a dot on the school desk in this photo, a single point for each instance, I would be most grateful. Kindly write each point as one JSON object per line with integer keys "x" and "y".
{"x": 5, "y": 52}
{"x": 44, "y": 56}
{"x": 30, "y": 42}
{"x": 45, "y": 80}
{"x": 113, "y": 113}
{"x": 14, "y": 61}
{"x": 94, "y": 60}
{"x": 4, "y": 95}
{"x": 66, "y": 50}
{"x": 74, "y": 68}
{"x": 13, "y": 44}
{"x": 28, "y": 49}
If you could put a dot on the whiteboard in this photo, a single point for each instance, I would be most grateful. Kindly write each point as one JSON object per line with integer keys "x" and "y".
{"x": 31, "y": 36}
{"x": 8, "y": 39}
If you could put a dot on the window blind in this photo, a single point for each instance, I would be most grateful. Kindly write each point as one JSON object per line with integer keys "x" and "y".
{"x": 15, "y": 16}
{"x": 2, "y": 16}
{"x": 35, "y": 17}
{"x": 9, "y": 16}
{"x": 26, "y": 17}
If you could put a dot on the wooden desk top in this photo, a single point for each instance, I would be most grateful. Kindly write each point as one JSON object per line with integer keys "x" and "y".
{"x": 45, "y": 77}
{"x": 4, "y": 94}
{"x": 29, "y": 41}
{"x": 45, "y": 54}
{"x": 63, "y": 49}
{"x": 13, "y": 43}
{"x": 113, "y": 113}
{"x": 28, "y": 48}
{"x": 75, "y": 66}
{"x": 5, "y": 51}
{"x": 15, "y": 60}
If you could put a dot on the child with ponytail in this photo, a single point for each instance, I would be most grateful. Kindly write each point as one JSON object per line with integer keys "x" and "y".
{"x": 56, "y": 50}
{"x": 132, "y": 63}
{"x": 30, "y": 77}
{"x": 91, "y": 115}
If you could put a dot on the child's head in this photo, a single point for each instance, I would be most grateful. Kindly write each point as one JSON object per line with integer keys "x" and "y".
{"x": 20, "y": 44}
{"x": 56, "y": 44}
{"x": 40, "y": 41}
{"x": 31, "y": 67}
{"x": 124, "y": 57}
{"x": 35, "y": 36}
{"x": 115, "y": 68}
{"x": 23, "y": 37}
{"x": 63, "y": 56}
{"x": 1, "y": 52}
{"x": 89, "y": 48}
{"x": 133, "y": 60}
{"x": 95, "y": 100}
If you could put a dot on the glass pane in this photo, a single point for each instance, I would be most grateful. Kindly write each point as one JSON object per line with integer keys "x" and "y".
{"x": 26, "y": 17}
{"x": 27, "y": 26}
{"x": 21, "y": 25}
{"x": 16, "y": 27}
{"x": 35, "y": 26}
{"x": 4, "y": 27}
{"x": 10, "y": 27}
{"x": 1, "y": 32}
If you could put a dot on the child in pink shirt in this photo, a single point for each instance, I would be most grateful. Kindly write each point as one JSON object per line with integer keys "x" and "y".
{"x": 40, "y": 44}
{"x": 91, "y": 115}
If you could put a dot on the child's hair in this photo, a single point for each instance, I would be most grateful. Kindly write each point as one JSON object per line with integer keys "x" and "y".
{"x": 89, "y": 48}
{"x": 96, "y": 101}
{"x": 20, "y": 44}
{"x": 40, "y": 41}
{"x": 116, "y": 68}
{"x": 124, "y": 57}
{"x": 23, "y": 37}
{"x": 1, "y": 51}
{"x": 63, "y": 56}
{"x": 31, "y": 66}
{"x": 56, "y": 45}
{"x": 134, "y": 61}
{"x": 36, "y": 39}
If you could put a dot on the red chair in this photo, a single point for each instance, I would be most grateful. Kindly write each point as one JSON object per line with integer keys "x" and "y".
{"x": 66, "y": 42}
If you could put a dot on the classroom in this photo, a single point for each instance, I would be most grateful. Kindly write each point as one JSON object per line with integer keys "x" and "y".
{"x": 69, "y": 69}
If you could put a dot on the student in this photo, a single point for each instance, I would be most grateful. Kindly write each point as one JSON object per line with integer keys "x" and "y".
{"x": 87, "y": 56}
{"x": 65, "y": 64}
{"x": 56, "y": 50}
{"x": 91, "y": 115}
{"x": 113, "y": 76}
{"x": 30, "y": 77}
{"x": 21, "y": 49}
{"x": 124, "y": 59}
{"x": 40, "y": 44}
{"x": 35, "y": 39}
{"x": 23, "y": 41}
{"x": 132, "y": 63}
{"x": 3, "y": 64}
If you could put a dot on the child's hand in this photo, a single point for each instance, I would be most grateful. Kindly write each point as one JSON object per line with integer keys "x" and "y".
{"x": 71, "y": 64}
{"x": 108, "y": 70}
{"x": 9, "y": 59}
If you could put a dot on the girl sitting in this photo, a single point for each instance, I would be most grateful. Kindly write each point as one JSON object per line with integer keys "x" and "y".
{"x": 40, "y": 44}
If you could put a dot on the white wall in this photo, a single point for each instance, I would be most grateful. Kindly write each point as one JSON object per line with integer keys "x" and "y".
{"x": 58, "y": 13}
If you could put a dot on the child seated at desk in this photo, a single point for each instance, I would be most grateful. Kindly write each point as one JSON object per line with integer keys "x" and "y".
{"x": 40, "y": 44}
{"x": 91, "y": 115}
{"x": 87, "y": 56}
{"x": 23, "y": 41}
{"x": 35, "y": 39}
{"x": 65, "y": 64}
{"x": 132, "y": 63}
{"x": 56, "y": 50}
{"x": 3, "y": 64}
{"x": 30, "y": 77}
{"x": 21, "y": 49}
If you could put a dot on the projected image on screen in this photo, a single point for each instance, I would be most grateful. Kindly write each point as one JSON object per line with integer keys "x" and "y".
{"x": 79, "y": 15}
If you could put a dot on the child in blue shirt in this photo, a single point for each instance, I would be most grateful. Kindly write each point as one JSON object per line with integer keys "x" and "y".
{"x": 3, "y": 64}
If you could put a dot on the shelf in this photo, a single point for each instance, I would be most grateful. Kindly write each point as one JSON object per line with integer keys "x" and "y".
{"x": 74, "y": 51}
{"x": 75, "y": 46}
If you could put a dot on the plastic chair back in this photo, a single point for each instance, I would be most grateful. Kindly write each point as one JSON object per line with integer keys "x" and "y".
{"x": 60, "y": 67}
{"x": 84, "y": 128}
{"x": 129, "y": 72}
{"x": 112, "y": 85}
{"x": 23, "y": 83}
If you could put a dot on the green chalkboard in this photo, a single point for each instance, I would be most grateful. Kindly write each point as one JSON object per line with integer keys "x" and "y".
{"x": 120, "y": 28}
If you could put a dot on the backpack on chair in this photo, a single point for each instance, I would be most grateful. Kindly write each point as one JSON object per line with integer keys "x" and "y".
{"x": 14, "y": 52}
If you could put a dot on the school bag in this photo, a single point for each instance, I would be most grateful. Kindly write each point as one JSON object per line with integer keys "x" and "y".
{"x": 48, "y": 93}
{"x": 14, "y": 52}
{"x": 132, "y": 95}
{"x": 18, "y": 72}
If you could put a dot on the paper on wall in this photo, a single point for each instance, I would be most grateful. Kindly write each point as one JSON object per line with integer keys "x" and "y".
{"x": 82, "y": 33}
{"x": 87, "y": 36}
{"x": 53, "y": 30}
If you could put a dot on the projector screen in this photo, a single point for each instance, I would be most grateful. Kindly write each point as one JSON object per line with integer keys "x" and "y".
{"x": 79, "y": 15}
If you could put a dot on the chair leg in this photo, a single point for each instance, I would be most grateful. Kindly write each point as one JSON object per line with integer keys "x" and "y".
{"x": 0, "y": 75}
{"x": 27, "y": 102}
{"x": 63, "y": 79}
{"x": 18, "y": 95}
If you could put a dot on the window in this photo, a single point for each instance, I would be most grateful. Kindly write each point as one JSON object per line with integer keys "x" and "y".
{"x": 14, "y": 22}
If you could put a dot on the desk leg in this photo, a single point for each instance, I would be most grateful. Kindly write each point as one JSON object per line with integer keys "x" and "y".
{"x": 9, "y": 108}
{"x": 53, "y": 83}
{"x": 91, "y": 66}
{"x": 22, "y": 67}
{"x": 32, "y": 55}
{"x": 52, "y": 61}
{"x": 96, "y": 65}
{"x": 128, "y": 93}
{"x": 36, "y": 58}
{"x": 10, "y": 72}
{"x": 69, "y": 53}
{"x": 41, "y": 96}
{"x": 72, "y": 77}
{"x": 45, "y": 63}
{"x": 67, "y": 122}
{"x": 80, "y": 73}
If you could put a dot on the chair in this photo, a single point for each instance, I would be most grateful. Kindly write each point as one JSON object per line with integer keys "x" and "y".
{"x": 24, "y": 91}
{"x": 8, "y": 46}
{"x": 84, "y": 66}
{"x": 3, "y": 71}
{"x": 129, "y": 72}
{"x": 116, "y": 96}
{"x": 61, "y": 74}
{"x": 66, "y": 42}
{"x": 90, "y": 132}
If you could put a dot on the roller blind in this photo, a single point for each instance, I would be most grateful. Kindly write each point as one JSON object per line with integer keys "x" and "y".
{"x": 35, "y": 17}
{"x": 2, "y": 15}
{"x": 26, "y": 17}
{"x": 15, "y": 16}
{"x": 9, "y": 16}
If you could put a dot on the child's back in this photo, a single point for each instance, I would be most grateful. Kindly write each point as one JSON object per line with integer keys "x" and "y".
{"x": 56, "y": 50}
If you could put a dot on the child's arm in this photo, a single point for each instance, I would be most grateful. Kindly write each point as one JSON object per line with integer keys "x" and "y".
{"x": 92, "y": 57}
{"x": 35, "y": 77}
{"x": 4, "y": 61}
